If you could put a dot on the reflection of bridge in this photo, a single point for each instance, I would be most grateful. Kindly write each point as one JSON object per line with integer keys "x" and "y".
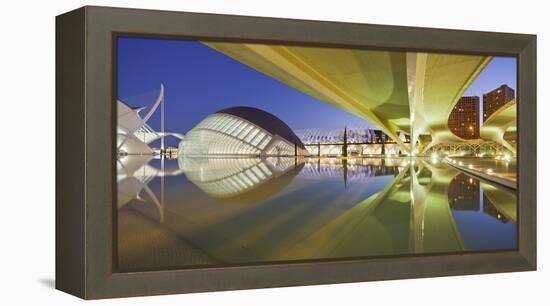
{"x": 134, "y": 173}
{"x": 351, "y": 170}
{"x": 133, "y": 176}
{"x": 411, "y": 214}
{"x": 372, "y": 228}
{"x": 504, "y": 201}
{"x": 397, "y": 91}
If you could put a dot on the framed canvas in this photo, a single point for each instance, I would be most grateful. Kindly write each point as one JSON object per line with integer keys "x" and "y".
{"x": 201, "y": 152}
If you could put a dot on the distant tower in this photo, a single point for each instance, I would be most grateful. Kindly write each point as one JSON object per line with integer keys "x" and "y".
{"x": 464, "y": 118}
{"x": 382, "y": 140}
{"x": 495, "y": 99}
{"x": 162, "y": 124}
{"x": 345, "y": 147}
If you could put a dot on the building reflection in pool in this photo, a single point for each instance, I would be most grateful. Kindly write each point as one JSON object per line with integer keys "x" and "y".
{"x": 220, "y": 211}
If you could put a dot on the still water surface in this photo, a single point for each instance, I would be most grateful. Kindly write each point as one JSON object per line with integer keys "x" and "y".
{"x": 220, "y": 211}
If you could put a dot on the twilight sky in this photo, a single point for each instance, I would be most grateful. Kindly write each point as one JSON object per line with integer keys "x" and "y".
{"x": 199, "y": 81}
{"x": 501, "y": 70}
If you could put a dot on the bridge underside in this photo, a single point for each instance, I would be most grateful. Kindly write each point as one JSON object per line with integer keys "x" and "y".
{"x": 407, "y": 92}
{"x": 501, "y": 121}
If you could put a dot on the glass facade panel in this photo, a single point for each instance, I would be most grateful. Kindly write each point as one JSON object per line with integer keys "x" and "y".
{"x": 258, "y": 138}
{"x": 258, "y": 172}
{"x": 223, "y": 134}
{"x": 251, "y": 175}
{"x": 265, "y": 169}
{"x": 233, "y": 127}
{"x": 265, "y": 142}
{"x": 251, "y": 135}
{"x": 239, "y": 129}
{"x": 229, "y": 125}
{"x": 244, "y": 131}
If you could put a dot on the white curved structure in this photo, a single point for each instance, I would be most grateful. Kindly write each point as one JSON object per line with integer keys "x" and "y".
{"x": 241, "y": 131}
{"x": 133, "y": 133}
{"x": 498, "y": 123}
{"x": 224, "y": 178}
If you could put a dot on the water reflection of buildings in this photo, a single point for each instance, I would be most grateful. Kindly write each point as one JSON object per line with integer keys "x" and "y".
{"x": 133, "y": 177}
{"x": 464, "y": 194}
{"x": 232, "y": 177}
{"x": 350, "y": 169}
{"x": 287, "y": 208}
{"x": 134, "y": 174}
{"x": 490, "y": 209}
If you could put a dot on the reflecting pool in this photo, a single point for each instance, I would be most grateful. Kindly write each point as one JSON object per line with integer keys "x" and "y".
{"x": 223, "y": 211}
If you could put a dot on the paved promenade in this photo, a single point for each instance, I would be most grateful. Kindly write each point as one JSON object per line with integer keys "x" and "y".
{"x": 500, "y": 170}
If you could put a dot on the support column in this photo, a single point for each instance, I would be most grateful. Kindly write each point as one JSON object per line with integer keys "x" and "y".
{"x": 416, "y": 74}
{"x": 162, "y": 124}
{"x": 345, "y": 147}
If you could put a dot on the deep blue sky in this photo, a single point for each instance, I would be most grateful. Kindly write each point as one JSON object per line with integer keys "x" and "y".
{"x": 199, "y": 81}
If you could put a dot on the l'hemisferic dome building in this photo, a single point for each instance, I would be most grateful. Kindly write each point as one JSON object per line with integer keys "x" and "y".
{"x": 241, "y": 130}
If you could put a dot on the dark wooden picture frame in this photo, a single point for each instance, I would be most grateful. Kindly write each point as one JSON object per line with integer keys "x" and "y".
{"x": 85, "y": 145}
